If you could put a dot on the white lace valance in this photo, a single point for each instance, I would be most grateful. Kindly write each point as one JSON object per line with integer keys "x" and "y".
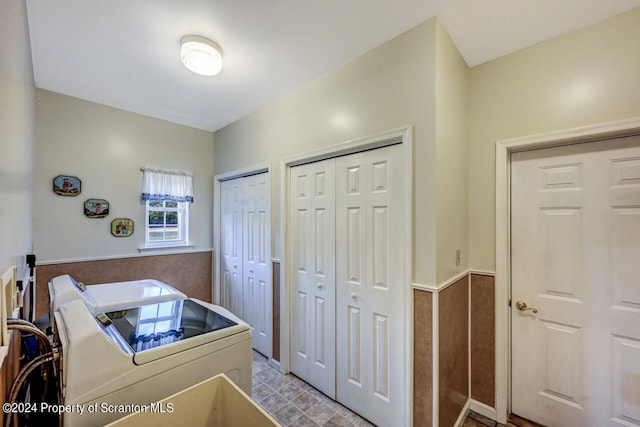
{"x": 166, "y": 185}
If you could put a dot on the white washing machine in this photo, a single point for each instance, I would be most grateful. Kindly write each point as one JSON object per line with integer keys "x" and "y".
{"x": 125, "y": 361}
{"x": 109, "y": 296}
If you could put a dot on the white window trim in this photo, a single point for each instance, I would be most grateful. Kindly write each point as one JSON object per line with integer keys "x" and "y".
{"x": 184, "y": 229}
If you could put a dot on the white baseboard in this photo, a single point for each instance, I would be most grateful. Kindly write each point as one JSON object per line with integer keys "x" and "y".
{"x": 275, "y": 365}
{"x": 463, "y": 414}
{"x": 483, "y": 409}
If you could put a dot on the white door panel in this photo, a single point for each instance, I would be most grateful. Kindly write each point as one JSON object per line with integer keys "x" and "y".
{"x": 256, "y": 247}
{"x": 246, "y": 244}
{"x": 313, "y": 247}
{"x": 369, "y": 267}
{"x": 624, "y": 202}
{"x": 231, "y": 291}
{"x": 347, "y": 301}
{"x": 575, "y": 252}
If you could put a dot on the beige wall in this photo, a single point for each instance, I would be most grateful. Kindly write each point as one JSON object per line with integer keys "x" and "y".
{"x": 586, "y": 77}
{"x": 451, "y": 159}
{"x": 16, "y": 134}
{"x": 391, "y": 86}
{"x": 105, "y": 148}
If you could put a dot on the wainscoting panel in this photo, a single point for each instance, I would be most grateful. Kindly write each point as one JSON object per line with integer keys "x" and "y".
{"x": 483, "y": 339}
{"x": 422, "y": 358}
{"x": 454, "y": 350}
{"x": 190, "y": 273}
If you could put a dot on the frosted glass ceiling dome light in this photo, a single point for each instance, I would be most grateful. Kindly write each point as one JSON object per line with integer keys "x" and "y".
{"x": 201, "y": 55}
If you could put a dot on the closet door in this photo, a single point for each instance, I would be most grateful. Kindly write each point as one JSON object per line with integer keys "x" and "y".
{"x": 231, "y": 292}
{"x": 312, "y": 244}
{"x": 245, "y": 261}
{"x": 256, "y": 261}
{"x": 369, "y": 284}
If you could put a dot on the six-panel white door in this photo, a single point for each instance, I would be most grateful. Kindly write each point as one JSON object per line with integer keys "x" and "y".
{"x": 231, "y": 289}
{"x": 245, "y": 258}
{"x": 370, "y": 280}
{"x": 312, "y": 243}
{"x": 576, "y": 260}
{"x": 347, "y": 253}
{"x": 256, "y": 241}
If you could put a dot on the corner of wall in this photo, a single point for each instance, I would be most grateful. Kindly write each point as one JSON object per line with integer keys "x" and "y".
{"x": 17, "y": 112}
{"x": 452, "y": 184}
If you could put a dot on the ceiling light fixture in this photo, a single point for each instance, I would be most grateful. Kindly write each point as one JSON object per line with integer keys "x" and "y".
{"x": 201, "y": 55}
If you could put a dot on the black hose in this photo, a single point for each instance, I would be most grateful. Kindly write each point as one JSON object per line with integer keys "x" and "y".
{"x": 24, "y": 326}
{"x": 47, "y": 357}
{"x": 21, "y": 378}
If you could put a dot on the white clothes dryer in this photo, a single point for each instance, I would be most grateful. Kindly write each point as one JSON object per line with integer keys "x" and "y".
{"x": 127, "y": 360}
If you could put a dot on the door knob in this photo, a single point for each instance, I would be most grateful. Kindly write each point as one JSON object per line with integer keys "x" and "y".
{"x": 522, "y": 306}
{"x": 354, "y": 295}
{"x": 319, "y": 286}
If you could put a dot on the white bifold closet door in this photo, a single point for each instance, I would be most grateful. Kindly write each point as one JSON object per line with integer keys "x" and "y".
{"x": 369, "y": 286}
{"x": 347, "y": 324}
{"x": 313, "y": 259}
{"x": 231, "y": 292}
{"x": 245, "y": 258}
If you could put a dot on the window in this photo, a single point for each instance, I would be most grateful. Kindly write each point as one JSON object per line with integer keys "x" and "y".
{"x": 167, "y": 196}
{"x": 167, "y": 223}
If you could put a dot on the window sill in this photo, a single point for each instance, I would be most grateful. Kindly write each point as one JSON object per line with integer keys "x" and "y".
{"x": 164, "y": 248}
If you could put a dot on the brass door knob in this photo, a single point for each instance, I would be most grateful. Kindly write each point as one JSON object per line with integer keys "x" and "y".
{"x": 522, "y": 306}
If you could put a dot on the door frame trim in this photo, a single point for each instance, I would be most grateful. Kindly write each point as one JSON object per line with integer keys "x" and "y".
{"x": 402, "y": 136}
{"x": 504, "y": 148}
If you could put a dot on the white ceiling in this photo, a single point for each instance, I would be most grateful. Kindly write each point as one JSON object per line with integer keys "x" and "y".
{"x": 125, "y": 53}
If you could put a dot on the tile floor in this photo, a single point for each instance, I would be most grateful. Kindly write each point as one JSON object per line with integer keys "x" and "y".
{"x": 294, "y": 403}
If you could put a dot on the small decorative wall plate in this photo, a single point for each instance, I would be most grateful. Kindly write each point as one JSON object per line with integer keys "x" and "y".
{"x": 66, "y": 185}
{"x": 122, "y": 227}
{"x": 96, "y": 208}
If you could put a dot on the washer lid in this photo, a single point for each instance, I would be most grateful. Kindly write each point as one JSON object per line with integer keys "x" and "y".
{"x": 114, "y": 296}
{"x": 154, "y": 331}
{"x": 110, "y": 296}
